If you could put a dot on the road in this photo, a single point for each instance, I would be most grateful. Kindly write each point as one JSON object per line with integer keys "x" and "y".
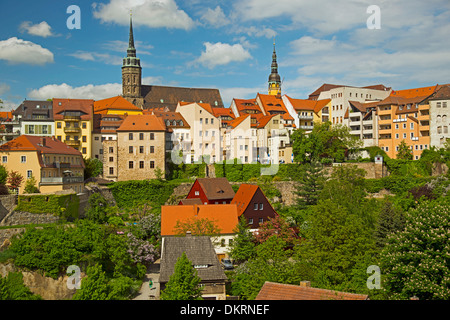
{"x": 146, "y": 292}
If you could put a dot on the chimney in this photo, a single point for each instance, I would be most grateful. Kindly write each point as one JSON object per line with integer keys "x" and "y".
{"x": 305, "y": 284}
{"x": 44, "y": 141}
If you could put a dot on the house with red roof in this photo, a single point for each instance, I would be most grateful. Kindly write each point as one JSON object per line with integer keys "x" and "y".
{"x": 55, "y": 165}
{"x": 223, "y": 216}
{"x": 211, "y": 191}
{"x": 253, "y": 205}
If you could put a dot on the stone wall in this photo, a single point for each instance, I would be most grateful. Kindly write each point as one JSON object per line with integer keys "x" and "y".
{"x": 22, "y": 218}
{"x": 7, "y": 204}
{"x": 47, "y": 288}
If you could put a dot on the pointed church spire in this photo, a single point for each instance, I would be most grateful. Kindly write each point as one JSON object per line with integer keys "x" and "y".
{"x": 274, "y": 78}
{"x": 131, "y": 52}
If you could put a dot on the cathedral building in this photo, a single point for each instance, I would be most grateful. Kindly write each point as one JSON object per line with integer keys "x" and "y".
{"x": 151, "y": 96}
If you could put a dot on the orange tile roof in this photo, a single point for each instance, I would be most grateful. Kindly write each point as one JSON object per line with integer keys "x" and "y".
{"x": 280, "y": 291}
{"x": 205, "y": 106}
{"x": 262, "y": 121}
{"x": 243, "y": 196}
{"x": 217, "y": 112}
{"x": 273, "y": 103}
{"x": 35, "y": 143}
{"x": 246, "y": 104}
{"x": 148, "y": 122}
{"x": 223, "y": 215}
{"x": 84, "y": 105}
{"x": 115, "y": 103}
{"x": 234, "y": 123}
{"x": 6, "y": 115}
{"x": 412, "y": 93}
{"x": 306, "y": 104}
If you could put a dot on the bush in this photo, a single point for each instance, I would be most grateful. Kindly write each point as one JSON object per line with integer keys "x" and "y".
{"x": 65, "y": 206}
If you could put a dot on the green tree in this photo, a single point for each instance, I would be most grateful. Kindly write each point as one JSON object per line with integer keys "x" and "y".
{"x": 324, "y": 141}
{"x": 389, "y": 220}
{"x": 30, "y": 185}
{"x": 404, "y": 151}
{"x": 97, "y": 208}
{"x": 310, "y": 184}
{"x": 272, "y": 262}
{"x": 92, "y": 167}
{"x": 13, "y": 288}
{"x": 243, "y": 245}
{"x": 415, "y": 261}
{"x": 94, "y": 286}
{"x": 184, "y": 283}
{"x": 3, "y": 175}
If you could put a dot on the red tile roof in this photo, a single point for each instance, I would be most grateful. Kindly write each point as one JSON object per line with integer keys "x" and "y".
{"x": 224, "y": 216}
{"x": 279, "y": 291}
{"x": 86, "y": 106}
{"x": 30, "y": 143}
{"x": 234, "y": 123}
{"x": 205, "y": 106}
{"x": 416, "y": 92}
{"x": 142, "y": 123}
{"x": 272, "y": 103}
{"x": 115, "y": 103}
{"x": 305, "y": 104}
{"x": 243, "y": 196}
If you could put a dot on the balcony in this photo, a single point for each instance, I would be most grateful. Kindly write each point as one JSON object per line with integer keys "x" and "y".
{"x": 305, "y": 117}
{"x": 72, "y": 118}
{"x": 61, "y": 180}
{"x": 72, "y": 129}
{"x": 306, "y": 127}
{"x": 72, "y": 143}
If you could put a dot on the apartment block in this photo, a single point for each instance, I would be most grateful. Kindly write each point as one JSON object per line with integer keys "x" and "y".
{"x": 439, "y": 114}
{"x": 74, "y": 123}
{"x": 204, "y": 132}
{"x": 138, "y": 151}
{"x": 34, "y": 118}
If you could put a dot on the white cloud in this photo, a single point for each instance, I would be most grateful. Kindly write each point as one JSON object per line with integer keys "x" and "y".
{"x": 228, "y": 94}
{"x": 222, "y": 53}
{"x": 95, "y": 56}
{"x": 90, "y": 91}
{"x": 216, "y": 18}
{"x": 16, "y": 50}
{"x": 4, "y": 88}
{"x": 41, "y": 29}
{"x": 150, "y": 13}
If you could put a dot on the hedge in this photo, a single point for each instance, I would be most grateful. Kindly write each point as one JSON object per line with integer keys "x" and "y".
{"x": 132, "y": 193}
{"x": 65, "y": 205}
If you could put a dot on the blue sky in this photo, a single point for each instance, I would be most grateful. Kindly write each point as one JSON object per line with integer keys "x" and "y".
{"x": 220, "y": 44}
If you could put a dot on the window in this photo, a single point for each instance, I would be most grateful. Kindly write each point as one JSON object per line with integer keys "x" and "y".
{"x": 411, "y": 126}
{"x": 206, "y": 120}
{"x": 141, "y": 164}
{"x": 404, "y": 126}
{"x": 23, "y": 159}
{"x": 4, "y": 159}
{"x": 201, "y": 120}
{"x": 141, "y": 149}
{"x": 386, "y": 149}
{"x": 444, "y": 104}
{"x": 256, "y": 206}
{"x": 111, "y": 150}
{"x": 438, "y": 104}
{"x": 404, "y": 136}
{"x": 84, "y": 139}
{"x": 59, "y": 138}
{"x": 130, "y": 136}
{"x": 197, "y": 193}
{"x": 396, "y": 136}
{"x": 29, "y": 174}
{"x": 83, "y": 125}
{"x": 141, "y": 136}
{"x": 84, "y": 151}
{"x": 152, "y": 149}
{"x": 261, "y": 220}
{"x": 212, "y": 120}
{"x": 130, "y": 149}
{"x": 111, "y": 159}
{"x": 152, "y": 164}
{"x": 130, "y": 164}
{"x": 111, "y": 170}
{"x": 96, "y": 138}
{"x": 250, "y": 221}
{"x": 152, "y": 136}
{"x": 260, "y": 206}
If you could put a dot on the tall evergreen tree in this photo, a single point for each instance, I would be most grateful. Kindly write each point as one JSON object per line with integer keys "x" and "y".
{"x": 183, "y": 283}
{"x": 243, "y": 246}
{"x": 311, "y": 184}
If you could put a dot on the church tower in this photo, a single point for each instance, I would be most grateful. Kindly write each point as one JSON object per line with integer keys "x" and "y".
{"x": 132, "y": 73}
{"x": 274, "y": 78}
